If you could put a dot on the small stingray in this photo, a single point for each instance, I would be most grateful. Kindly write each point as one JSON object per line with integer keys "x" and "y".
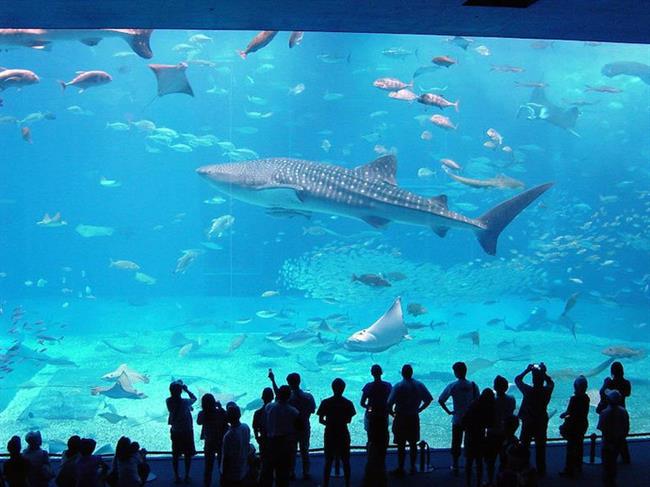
{"x": 121, "y": 389}
{"x": 133, "y": 375}
{"x": 171, "y": 79}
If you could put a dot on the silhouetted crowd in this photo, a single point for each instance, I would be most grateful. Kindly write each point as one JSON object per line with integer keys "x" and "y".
{"x": 484, "y": 422}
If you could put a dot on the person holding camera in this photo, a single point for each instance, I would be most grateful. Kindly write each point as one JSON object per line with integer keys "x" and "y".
{"x": 181, "y": 429}
{"x": 533, "y": 411}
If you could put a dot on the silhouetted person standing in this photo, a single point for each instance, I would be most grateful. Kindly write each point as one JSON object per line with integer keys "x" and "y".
{"x": 616, "y": 382}
{"x": 40, "y": 470}
{"x": 91, "y": 470}
{"x": 614, "y": 423}
{"x": 462, "y": 393}
{"x": 406, "y": 401}
{"x": 306, "y": 406}
{"x": 533, "y": 411}
{"x": 504, "y": 410}
{"x": 374, "y": 399}
{"x": 16, "y": 468}
{"x": 575, "y": 426}
{"x": 281, "y": 421}
{"x": 477, "y": 419}
{"x": 66, "y": 477}
{"x": 335, "y": 413}
{"x": 212, "y": 419}
{"x": 181, "y": 428}
{"x": 236, "y": 441}
{"x": 259, "y": 428}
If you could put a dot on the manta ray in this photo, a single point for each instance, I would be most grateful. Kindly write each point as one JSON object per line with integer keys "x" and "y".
{"x": 387, "y": 331}
{"x": 368, "y": 192}
{"x": 121, "y": 389}
{"x": 540, "y": 108}
{"x": 171, "y": 78}
{"x": 131, "y": 374}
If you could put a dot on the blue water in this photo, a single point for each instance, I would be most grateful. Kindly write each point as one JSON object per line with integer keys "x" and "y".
{"x": 588, "y": 234}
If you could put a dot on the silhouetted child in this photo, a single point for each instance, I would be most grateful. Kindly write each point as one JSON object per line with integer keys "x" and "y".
{"x": 518, "y": 472}
{"x": 16, "y": 468}
{"x": 614, "y": 423}
{"x": 407, "y": 399}
{"x": 616, "y": 382}
{"x": 67, "y": 476}
{"x": 125, "y": 464}
{"x": 462, "y": 393}
{"x": 335, "y": 413}
{"x": 212, "y": 419}
{"x": 91, "y": 470}
{"x": 40, "y": 470}
{"x": 575, "y": 426}
{"x": 259, "y": 427}
{"x": 306, "y": 406}
{"x": 236, "y": 448}
{"x": 533, "y": 411}
{"x": 477, "y": 419}
{"x": 181, "y": 430}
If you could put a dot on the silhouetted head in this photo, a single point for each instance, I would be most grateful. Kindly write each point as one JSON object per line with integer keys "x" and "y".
{"x": 267, "y": 395}
{"x": 487, "y": 397}
{"x": 293, "y": 379}
{"x": 407, "y": 371}
{"x": 175, "y": 389}
{"x": 87, "y": 446}
{"x": 538, "y": 377}
{"x": 208, "y": 402}
{"x": 376, "y": 371}
{"x": 284, "y": 393}
{"x": 123, "y": 448}
{"x": 580, "y": 384}
{"x": 34, "y": 439}
{"x": 500, "y": 384}
{"x": 338, "y": 386}
{"x": 614, "y": 398}
{"x": 460, "y": 370}
{"x": 74, "y": 442}
{"x": 616, "y": 370}
{"x": 233, "y": 413}
{"x": 14, "y": 446}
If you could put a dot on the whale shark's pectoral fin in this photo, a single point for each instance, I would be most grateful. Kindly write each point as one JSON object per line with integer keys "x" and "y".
{"x": 383, "y": 168}
{"x": 285, "y": 192}
{"x": 440, "y": 231}
{"x": 91, "y": 41}
{"x": 284, "y": 213}
{"x": 376, "y": 221}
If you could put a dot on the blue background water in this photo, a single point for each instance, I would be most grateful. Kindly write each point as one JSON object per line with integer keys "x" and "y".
{"x": 61, "y": 170}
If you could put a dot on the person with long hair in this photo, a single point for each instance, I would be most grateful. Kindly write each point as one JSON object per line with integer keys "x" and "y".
{"x": 212, "y": 419}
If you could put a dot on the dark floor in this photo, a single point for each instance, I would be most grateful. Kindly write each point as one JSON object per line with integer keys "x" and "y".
{"x": 629, "y": 475}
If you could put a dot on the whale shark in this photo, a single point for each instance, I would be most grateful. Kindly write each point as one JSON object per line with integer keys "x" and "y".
{"x": 387, "y": 331}
{"x": 289, "y": 187}
{"x": 137, "y": 39}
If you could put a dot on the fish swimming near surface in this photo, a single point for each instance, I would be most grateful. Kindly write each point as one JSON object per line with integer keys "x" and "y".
{"x": 258, "y": 42}
{"x": 388, "y": 331}
{"x": 540, "y": 108}
{"x": 171, "y": 78}
{"x": 138, "y": 39}
{"x": 628, "y": 68}
{"x": 17, "y": 78}
{"x": 368, "y": 192}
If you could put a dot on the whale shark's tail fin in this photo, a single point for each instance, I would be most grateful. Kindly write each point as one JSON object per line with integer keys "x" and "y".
{"x": 496, "y": 219}
{"x": 139, "y": 42}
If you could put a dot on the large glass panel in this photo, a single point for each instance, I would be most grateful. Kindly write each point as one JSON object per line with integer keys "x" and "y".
{"x": 116, "y": 254}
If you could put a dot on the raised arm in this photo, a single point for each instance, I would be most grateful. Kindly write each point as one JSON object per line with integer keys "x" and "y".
{"x": 275, "y": 386}
{"x": 190, "y": 394}
{"x": 519, "y": 380}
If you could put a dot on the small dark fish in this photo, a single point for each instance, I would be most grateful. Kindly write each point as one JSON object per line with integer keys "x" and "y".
{"x": 490, "y": 301}
{"x": 496, "y": 321}
{"x": 435, "y": 324}
{"x": 112, "y": 417}
{"x": 473, "y": 336}
{"x": 372, "y": 280}
{"x": 416, "y": 309}
{"x": 460, "y": 313}
{"x": 461, "y": 42}
{"x": 26, "y": 134}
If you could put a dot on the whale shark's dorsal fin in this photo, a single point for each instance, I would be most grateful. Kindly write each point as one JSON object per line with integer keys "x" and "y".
{"x": 383, "y": 168}
{"x": 440, "y": 200}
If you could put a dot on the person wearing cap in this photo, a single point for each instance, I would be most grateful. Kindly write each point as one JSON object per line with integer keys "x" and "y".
{"x": 40, "y": 470}
{"x": 16, "y": 468}
{"x": 614, "y": 423}
{"x": 575, "y": 426}
{"x": 236, "y": 441}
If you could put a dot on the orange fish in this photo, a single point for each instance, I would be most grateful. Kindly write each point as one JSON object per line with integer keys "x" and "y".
{"x": 444, "y": 61}
{"x": 27, "y": 134}
{"x": 443, "y": 122}
{"x": 437, "y": 100}
{"x": 259, "y": 41}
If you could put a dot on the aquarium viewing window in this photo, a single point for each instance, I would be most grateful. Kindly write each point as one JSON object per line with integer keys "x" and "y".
{"x": 209, "y": 205}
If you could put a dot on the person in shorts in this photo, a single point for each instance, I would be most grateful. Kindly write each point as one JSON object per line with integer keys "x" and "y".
{"x": 181, "y": 429}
